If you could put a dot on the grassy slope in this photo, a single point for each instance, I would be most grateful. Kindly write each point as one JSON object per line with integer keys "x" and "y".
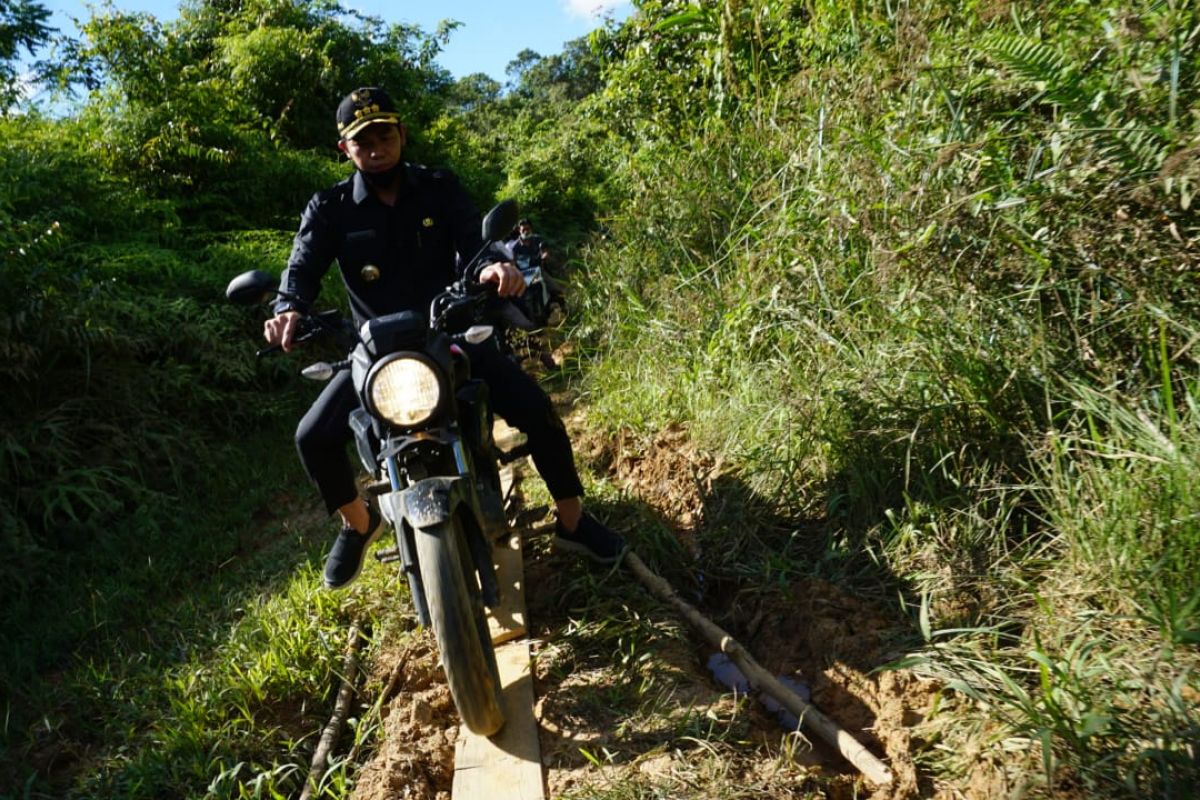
{"x": 925, "y": 295}
{"x": 937, "y": 320}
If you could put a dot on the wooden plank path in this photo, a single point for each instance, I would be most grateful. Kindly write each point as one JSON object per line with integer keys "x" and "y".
{"x": 508, "y": 766}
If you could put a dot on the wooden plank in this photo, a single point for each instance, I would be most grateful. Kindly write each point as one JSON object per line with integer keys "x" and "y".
{"x": 507, "y": 621}
{"x": 508, "y": 476}
{"x": 509, "y": 765}
{"x": 507, "y": 438}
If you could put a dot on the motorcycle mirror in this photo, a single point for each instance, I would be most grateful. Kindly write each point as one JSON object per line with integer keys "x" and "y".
{"x": 478, "y": 333}
{"x": 320, "y": 371}
{"x": 500, "y": 220}
{"x": 251, "y": 288}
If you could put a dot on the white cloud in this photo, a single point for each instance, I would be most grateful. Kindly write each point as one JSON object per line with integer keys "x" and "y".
{"x": 593, "y": 9}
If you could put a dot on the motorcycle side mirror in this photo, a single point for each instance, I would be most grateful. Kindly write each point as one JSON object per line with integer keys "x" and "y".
{"x": 500, "y": 220}
{"x": 252, "y": 288}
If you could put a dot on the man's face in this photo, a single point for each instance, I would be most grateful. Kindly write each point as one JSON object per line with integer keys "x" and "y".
{"x": 525, "y": 230}
{"x": 376, "y": 148}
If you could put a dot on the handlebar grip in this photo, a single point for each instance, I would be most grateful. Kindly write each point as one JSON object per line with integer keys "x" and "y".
{"x": 478, "y": 287}
{"x": 271, "y": 348}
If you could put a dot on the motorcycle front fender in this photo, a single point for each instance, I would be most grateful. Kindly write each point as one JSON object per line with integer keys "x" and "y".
{"x": 426, "y": 503}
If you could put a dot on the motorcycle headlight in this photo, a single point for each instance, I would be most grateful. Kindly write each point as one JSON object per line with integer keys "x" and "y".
{"x": 405, "y": 390}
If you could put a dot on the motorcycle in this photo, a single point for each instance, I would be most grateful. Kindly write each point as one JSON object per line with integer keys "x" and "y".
{"x": 537, "y": 299}
{"x": 423, "y": 431}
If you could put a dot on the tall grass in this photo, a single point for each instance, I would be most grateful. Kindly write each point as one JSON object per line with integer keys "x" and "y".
{"x": 929, "y": 291}
{"x": 923, "y": 272}
{"x": 141, "y": 455}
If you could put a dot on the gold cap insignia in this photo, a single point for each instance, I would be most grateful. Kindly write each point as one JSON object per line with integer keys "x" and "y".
{"x": 427, "y": 222}
{"x": 370, "y": 273}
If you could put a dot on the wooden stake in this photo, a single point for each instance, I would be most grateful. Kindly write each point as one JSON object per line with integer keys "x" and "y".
{"x": 340, "y": 709}
{"x": 810, "y": 718}
{"x": 384, "y": 697}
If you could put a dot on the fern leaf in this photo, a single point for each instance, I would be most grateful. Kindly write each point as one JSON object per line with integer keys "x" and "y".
{"x": 1048, "y": 69}
{"x": 1139, "y": 148}
{"x": 1029, "y": 59}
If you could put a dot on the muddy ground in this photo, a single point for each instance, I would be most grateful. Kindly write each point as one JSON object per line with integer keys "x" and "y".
{"x": 638, "y": 713}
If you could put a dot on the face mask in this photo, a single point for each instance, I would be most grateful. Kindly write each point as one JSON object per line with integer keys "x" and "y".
{"x": 526, "y": 236}
{"x": 383, "y": 180}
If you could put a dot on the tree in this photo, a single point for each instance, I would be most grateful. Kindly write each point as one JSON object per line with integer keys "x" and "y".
{"x": 214, "y": 105}
{"x": 275, "y": 66}
{"x": 517, "y": 68}
{"x": 474, "y": 91}
{"x": 22, "y": 26}
{"x": 570, "y": 75}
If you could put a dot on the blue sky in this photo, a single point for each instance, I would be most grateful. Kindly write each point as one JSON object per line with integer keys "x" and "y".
{"x": 491, "y": 35}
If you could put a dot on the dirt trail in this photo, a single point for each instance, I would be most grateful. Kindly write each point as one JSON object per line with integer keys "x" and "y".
{"x": 658, "y": 718}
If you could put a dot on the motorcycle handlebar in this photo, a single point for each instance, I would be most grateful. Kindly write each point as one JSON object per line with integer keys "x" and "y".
{"x": 310, "y": 326}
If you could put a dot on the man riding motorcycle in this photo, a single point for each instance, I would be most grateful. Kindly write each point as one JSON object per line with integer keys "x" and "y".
{"x": 395, "y": 230}
{"x": 528, "y": 244}
{"x": 528, "y": 247}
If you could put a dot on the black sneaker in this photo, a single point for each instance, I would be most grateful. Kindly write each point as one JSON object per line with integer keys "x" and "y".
{"x": 592, "y": 538}
{"x": 346, "y": 558}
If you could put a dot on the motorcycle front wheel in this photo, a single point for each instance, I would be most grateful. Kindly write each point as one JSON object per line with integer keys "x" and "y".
{"x": 459, "y": 625}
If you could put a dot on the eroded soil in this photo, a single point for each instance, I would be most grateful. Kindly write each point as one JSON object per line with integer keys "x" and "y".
{"x": 623, "y": 695}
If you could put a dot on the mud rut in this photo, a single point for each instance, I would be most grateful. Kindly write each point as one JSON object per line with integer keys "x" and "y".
{"x": 829, "y": 639}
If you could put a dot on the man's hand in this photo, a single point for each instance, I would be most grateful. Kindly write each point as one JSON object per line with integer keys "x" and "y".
{"x": 281, "y": 329}
{"x": 506, "y": 276}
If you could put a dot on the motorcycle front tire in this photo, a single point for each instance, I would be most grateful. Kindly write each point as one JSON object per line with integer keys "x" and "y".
{"x": 459, "y": 625}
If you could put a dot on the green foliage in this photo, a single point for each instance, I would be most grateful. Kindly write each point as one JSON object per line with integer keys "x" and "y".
{"x": 552, "y": 177}
{"x": 923, "y": 276}
{"x": 678, "y": 63}
{"x": 525, "y": 145}
{"x": 22, "y": 27}
{"x": 922, "y": 273}
{"x": 539, "y": 83}
{"x": 121, "y": 363}
{"x": 1139, "y": 464}
{"x": 1060, "y": 81}
{"x": 214, "y": 108}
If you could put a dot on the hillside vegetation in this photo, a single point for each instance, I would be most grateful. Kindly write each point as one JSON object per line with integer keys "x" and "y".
{"x": 922, "y": 275}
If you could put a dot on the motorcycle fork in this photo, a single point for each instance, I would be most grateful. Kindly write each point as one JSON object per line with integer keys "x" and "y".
{"x": 481, "y": 550}
{"x": 406, "y": 544}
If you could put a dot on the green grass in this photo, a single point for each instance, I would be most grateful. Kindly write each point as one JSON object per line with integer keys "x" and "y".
{"x": 97, "y": 681}
{"x": 220, "y": 686}
{"x": 922, "y": 275}
{"x": 933, "y": 375}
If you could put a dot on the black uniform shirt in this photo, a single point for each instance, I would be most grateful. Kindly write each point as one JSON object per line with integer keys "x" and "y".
{"x": 528, "y": 249}
{"x": 412, "y": 245}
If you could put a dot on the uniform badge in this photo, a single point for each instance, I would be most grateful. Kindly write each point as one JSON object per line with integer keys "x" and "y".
{"x": 370, "y": 273}
{"x": 427, "y": 222}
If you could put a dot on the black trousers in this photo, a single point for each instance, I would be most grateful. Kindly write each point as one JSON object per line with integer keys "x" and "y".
{"x": 324, "y": 431}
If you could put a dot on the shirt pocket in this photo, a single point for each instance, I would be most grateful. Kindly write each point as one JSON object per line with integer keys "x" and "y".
{"x": 430, "y": 231}
{"x": 360, "y": 249}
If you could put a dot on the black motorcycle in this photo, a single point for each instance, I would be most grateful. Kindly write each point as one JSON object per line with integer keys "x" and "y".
{"x": 424, "y": 433}
{"x": 537, "y": 300}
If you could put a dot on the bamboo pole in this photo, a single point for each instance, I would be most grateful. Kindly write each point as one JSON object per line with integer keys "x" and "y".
{"x": 810, "y": 718}
{"x": 340, "y": 709}
{"x": 384, "y": 697}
